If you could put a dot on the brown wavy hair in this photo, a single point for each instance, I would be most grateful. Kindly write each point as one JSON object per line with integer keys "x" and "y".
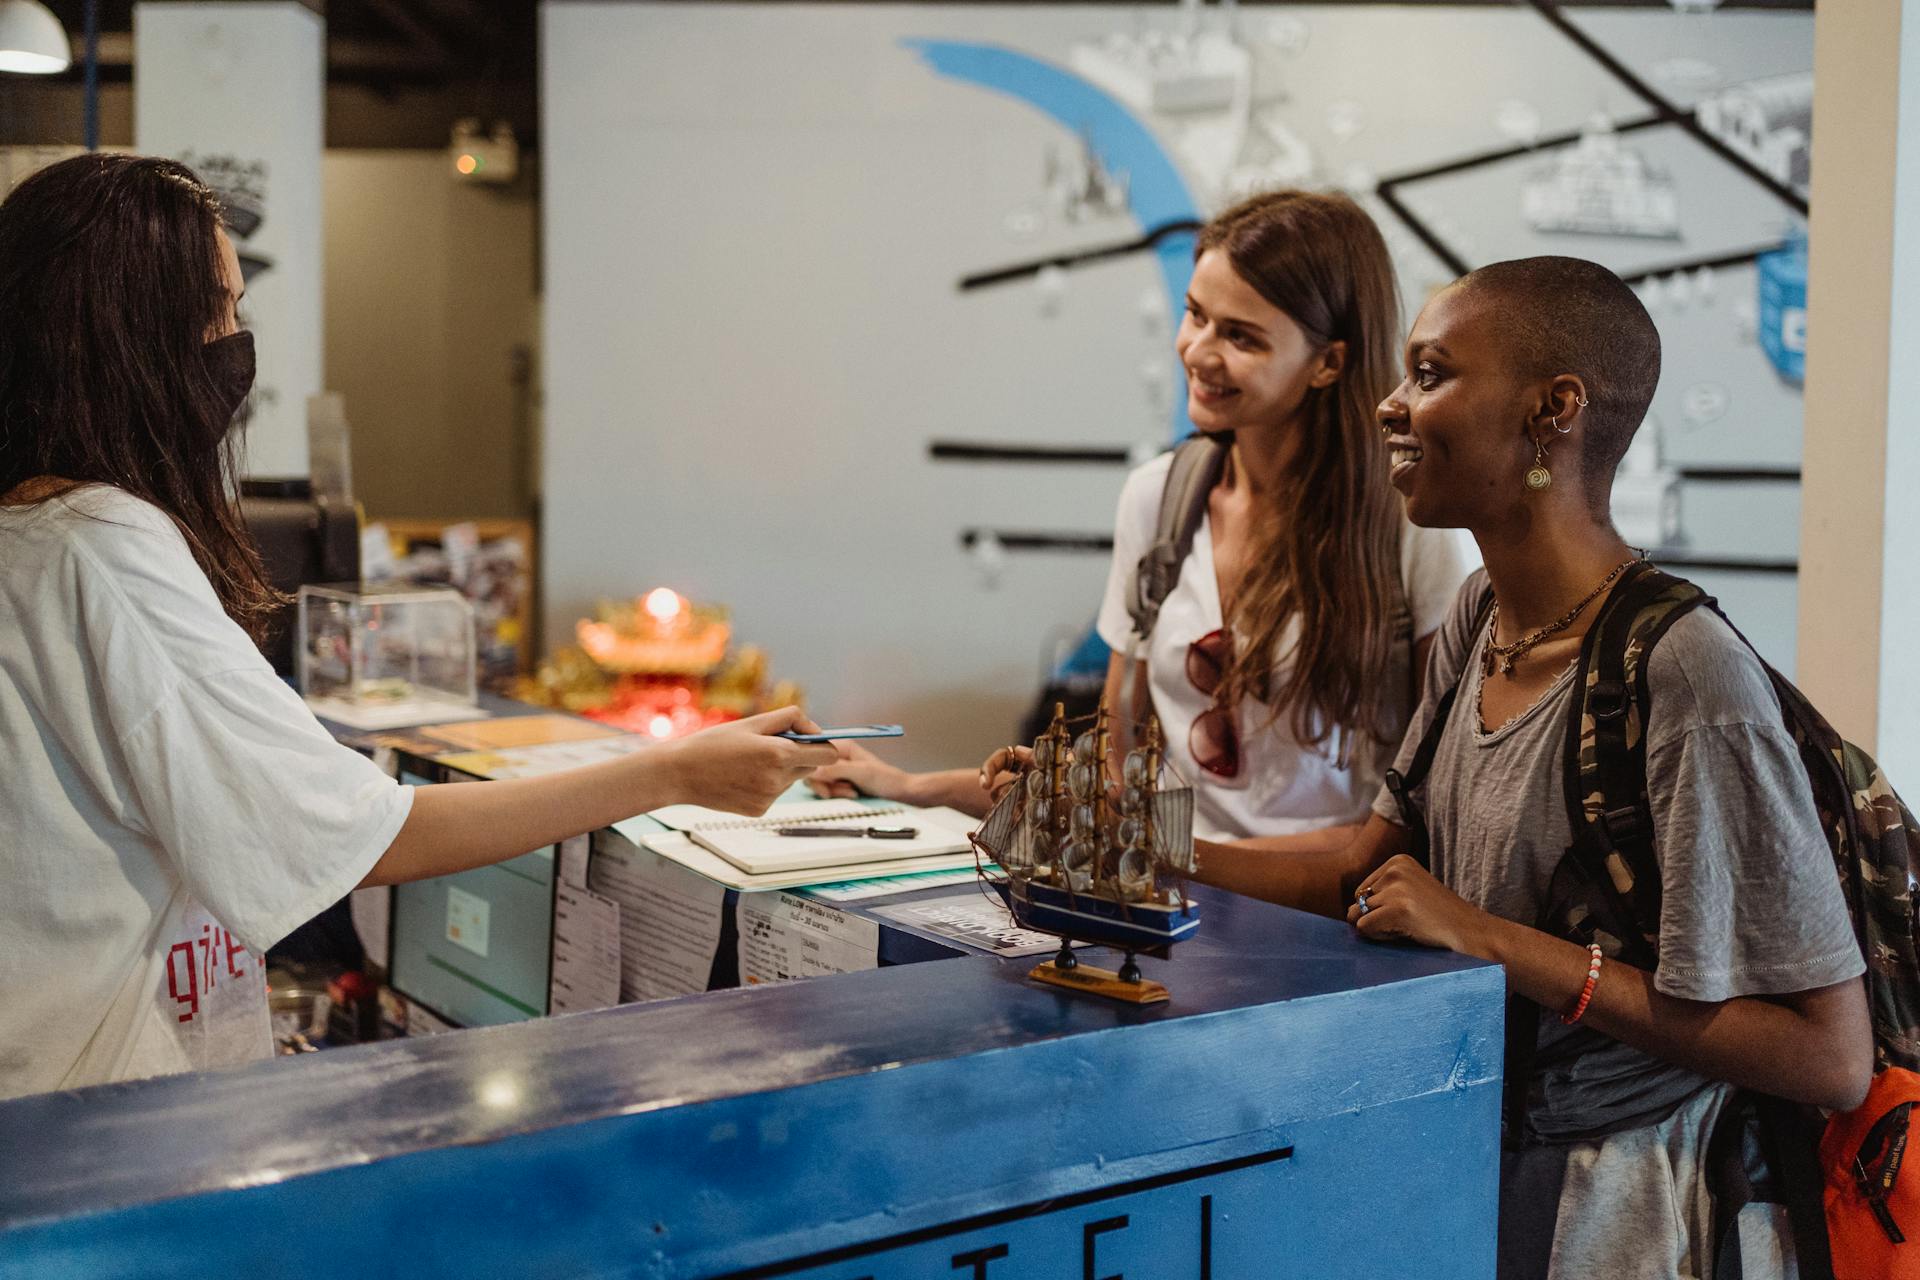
{"x": 110, "y": 268}
{"x": 1332, "y": 560}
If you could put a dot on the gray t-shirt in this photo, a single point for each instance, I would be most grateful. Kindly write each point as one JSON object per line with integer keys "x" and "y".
{"x": 1750, "y": 905}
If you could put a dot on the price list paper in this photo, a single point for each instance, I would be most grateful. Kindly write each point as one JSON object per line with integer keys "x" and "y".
{"x": 783, "y": 935}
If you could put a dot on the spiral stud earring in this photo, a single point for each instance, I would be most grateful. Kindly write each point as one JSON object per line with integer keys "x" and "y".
{"x": 1538, "y": 477}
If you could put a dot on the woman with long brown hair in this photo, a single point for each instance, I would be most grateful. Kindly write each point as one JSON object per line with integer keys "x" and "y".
{"x": 1284, "y": 660}
{"x": 168, "y": 807}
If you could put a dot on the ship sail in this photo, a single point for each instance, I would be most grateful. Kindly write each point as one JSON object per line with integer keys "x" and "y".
{"x": 1173, "y": 829}
{"x": 1002, "y": 835}
{"x": 1090, "y": 843}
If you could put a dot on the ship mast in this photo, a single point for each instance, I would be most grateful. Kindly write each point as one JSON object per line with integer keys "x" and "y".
{"x": 1152, "y": 785}
{"x": 1056, "y": 791}
{"x": 1102, "y": 827}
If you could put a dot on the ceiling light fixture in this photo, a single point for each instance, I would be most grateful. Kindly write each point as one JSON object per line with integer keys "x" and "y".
{"x": 32, "y": 41}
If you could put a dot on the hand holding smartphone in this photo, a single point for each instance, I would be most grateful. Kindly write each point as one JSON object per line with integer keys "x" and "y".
{"x": 832, "y": 732}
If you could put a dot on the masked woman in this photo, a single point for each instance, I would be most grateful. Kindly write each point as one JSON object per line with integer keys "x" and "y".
{"x": 168, "y": 807}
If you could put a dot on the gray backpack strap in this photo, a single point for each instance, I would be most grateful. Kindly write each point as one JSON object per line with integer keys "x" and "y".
{"x": 1197, "y": 461}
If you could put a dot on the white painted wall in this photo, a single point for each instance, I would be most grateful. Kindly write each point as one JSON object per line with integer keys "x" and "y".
{"x": 245, "y": 81}
{"x": 755, "y": 216}
{"x": 754, "y": 221}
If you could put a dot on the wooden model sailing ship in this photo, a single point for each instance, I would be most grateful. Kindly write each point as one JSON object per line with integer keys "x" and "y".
{"x": 1092, "y": 862}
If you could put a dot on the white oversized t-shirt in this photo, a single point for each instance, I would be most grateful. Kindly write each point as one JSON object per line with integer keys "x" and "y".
{"x": 168, "y": 806}
{"x": 1282, "y": 786}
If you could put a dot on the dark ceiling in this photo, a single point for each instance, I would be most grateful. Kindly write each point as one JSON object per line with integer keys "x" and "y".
{"x": 399, "y": 72}
{"x": 376, "y": 42}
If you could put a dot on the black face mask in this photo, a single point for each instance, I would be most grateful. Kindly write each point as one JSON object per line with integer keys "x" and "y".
{"x": 230, "y": 361}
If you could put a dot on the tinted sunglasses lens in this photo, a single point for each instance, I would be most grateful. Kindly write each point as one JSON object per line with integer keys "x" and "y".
{"x": 1214, "y": 742}
{"x": 1205, "y": 658}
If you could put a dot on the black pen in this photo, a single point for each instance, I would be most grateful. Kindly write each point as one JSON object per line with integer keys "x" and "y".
{"x": 877, "y": 833}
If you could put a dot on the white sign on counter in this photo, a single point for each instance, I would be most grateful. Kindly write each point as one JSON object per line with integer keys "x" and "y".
{"x": 783, "y": 935}
{"x": 972, "y": 918}
{"x": 586, "y": 950}
{"x": 669, "y": 919}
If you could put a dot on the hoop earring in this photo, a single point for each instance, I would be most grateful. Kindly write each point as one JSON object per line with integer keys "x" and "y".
{"x": 1566, "y": 430}
{"x": 1582, "y": 402}
{"x": 1538, "y": 477}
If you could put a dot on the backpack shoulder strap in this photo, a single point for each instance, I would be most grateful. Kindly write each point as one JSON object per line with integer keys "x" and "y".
{"x": 1401, "y": 785}
{"x": 1197, "y": 461}
{"x": 1605, "y": 763}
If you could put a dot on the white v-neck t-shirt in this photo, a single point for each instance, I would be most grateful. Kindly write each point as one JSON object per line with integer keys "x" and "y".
{"x": 169, "y": 808}
{"x": 1283, "y": 786}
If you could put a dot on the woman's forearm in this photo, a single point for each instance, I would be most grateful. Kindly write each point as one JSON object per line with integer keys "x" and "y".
{"x": 1312, "y": 871}
{"x": 1813, "y": 1046}
{"x": 740, "y": 767}
{"x": 461, "y": 825}
{"x": 955, "y": 788}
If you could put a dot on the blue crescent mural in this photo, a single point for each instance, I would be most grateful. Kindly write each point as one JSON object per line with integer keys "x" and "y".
{"x": 1156, "y": 194}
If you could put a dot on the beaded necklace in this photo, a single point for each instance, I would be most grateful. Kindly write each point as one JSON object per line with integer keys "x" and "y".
{"x": 1505, "y": 655}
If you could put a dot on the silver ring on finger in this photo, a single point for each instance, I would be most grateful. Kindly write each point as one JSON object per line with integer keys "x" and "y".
{"x": 1361, "y": 899}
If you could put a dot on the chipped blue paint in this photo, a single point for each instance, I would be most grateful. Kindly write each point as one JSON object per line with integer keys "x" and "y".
{"x": 943, "y": 1119}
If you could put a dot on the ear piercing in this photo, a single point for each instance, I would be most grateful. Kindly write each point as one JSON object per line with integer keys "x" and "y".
{"x": 1538, "y": 477}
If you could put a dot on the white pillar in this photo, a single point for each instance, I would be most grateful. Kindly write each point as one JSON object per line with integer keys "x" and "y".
{"x": 1860, "y": 521}
{"x": 238, "y": 91}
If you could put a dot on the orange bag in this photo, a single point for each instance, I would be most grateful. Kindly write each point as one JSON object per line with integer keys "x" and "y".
{"x": 1873, "y": 1214}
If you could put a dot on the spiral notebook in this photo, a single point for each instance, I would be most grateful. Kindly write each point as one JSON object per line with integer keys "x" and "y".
{"x": 753, "y": 845}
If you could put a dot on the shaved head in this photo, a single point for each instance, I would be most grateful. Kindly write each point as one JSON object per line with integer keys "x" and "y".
{"x": 1567, "y": 315}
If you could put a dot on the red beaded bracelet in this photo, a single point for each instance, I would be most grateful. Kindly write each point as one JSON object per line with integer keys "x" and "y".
{"x": 1586, "y": 993}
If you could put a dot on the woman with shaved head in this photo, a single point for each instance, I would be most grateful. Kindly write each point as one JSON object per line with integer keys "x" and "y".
{"x": 1523, "y": 385}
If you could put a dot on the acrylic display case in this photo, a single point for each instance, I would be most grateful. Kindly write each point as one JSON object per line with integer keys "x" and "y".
{"x": 368, "y": 646}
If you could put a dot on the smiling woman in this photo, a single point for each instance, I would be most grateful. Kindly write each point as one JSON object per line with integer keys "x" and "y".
{"x": 1634, "y": 1034}
{"x": 1285, "y": 656}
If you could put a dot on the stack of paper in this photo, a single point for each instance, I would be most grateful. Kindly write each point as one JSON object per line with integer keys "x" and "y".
{"x": 797, "y": 861}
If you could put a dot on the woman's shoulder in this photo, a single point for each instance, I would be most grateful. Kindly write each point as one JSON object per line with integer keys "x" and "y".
{"x": 1140, "y": 495}
{"x": 1455, "y": 634}
{"x": 97, "y": 523}
{"x": 95, "y": 513}
{"x": 1150, "y": 477}
{"x": 112, "y": 537}
{"x": 1703, "y": 673}
{"x": 1469, "y": 603}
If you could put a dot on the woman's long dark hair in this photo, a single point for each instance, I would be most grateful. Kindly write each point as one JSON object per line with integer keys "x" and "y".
{"x": 1332, "y": 560}
{"x": 111, "y": 282}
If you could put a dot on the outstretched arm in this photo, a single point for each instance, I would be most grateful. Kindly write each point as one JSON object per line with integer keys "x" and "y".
{"x": 1812, "y": 1046}
{"x": 738, "y": 767}
{"x": 1315, "y": 871}
{"x": 857, "y": 771}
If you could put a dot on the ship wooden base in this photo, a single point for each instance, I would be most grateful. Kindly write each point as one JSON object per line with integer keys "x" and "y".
{"x": 1100, "y": 982}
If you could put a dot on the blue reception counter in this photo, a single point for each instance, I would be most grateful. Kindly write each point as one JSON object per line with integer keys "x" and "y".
{"x": 1306, "y": 1106}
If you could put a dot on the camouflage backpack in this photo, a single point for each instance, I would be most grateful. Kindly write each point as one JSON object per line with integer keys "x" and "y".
{"x": 1606, "y": 889}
